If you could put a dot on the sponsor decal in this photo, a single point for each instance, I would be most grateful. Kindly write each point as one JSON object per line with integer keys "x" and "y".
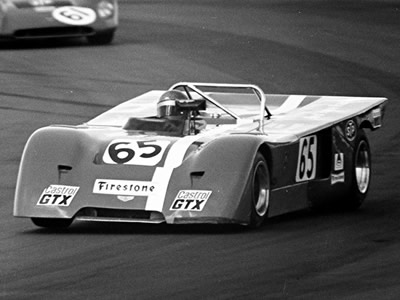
{"x": 42, "y": 5}
{"x": 133, "y": 152}
{"x": 307, "y": 159}
{"x": 41, "y": 2}
{"x": 43, "y": 9}
{"x": 350, "y": 130}
{"x": 377, "y": 117}
{"x": 123, "y": 187}
{"x": 376, "y": 113}
{"x": 58, "y": 195}
{"x": 339, "y": 162}
{"x": 74, "y": 15}
{"x": 190, "y": 200}
{"x": 126, "y": 198}
{"x": 162, "y": 175}
{"x": 336, "y": 178}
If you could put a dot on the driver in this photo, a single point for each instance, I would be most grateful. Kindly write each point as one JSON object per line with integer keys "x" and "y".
{"x": 167, "y": 108}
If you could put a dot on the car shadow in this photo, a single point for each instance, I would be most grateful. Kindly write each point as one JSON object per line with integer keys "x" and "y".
{"x": 49, "y": 43}
{"x": 289, "y": 221}
{"x": 85, "y": 227}
{"x": 82, "y": 227}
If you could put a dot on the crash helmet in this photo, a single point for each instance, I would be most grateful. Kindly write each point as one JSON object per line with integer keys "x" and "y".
{"x": 166, "y": 106}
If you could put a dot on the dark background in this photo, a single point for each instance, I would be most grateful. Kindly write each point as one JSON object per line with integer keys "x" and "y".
{"x": 293, "y": 47}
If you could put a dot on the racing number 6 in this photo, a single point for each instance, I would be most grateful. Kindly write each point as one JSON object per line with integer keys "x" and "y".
{"x": 121, "y": 155}
{"x": 307, "y": 158}
{"x": 72, "y": 15}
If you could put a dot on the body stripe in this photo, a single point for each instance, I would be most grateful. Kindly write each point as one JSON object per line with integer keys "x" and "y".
{"x": 175, "y": 156}
{"x": 292, "y": 102}
{"x": 162, "y": 175}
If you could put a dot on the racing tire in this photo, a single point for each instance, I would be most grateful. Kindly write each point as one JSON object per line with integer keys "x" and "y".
{"x": 260, "y": 191}
{"x": 103, "y": 38}
{"x": 360, "y": 173}
{"x": 51, "y": 223}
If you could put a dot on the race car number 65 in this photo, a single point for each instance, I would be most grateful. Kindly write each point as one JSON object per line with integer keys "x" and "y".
{"x": 307, "y": 160}
{"x": 145, "y": 153}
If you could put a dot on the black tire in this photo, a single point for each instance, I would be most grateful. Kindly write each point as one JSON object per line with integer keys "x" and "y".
{"x": 360, "y": 173}
{"x": 51, "y": 223}
{"x": 103, "y": 38}
{"x": 260, "y": 191}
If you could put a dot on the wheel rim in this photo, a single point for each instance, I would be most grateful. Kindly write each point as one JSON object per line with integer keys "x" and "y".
{"x": 261, "y": 189}
{"x": 362, "y": 166}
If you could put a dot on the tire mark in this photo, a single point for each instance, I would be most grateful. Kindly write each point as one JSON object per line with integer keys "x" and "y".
{"x": 63, "y": 101}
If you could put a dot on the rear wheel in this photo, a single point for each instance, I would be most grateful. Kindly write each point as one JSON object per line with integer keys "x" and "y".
{"x": 51, "y": 222}
{"x": 361, "y": 174}
{"x": 260, "y": 191}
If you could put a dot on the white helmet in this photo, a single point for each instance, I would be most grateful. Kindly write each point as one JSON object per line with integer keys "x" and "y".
{"x": 166, "y": 106}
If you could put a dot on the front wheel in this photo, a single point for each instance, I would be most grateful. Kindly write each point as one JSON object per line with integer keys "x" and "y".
{"x": 51, "y": 222}
{"x": 260, "y": 191}
{"x": 361, "y": 174}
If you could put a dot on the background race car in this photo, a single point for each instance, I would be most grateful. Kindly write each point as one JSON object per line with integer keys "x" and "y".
{"x": 27, "y": 19}
{"x": 201, "y": 153}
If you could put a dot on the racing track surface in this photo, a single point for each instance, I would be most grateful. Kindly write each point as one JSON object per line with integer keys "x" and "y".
{"x": 285, "y": 46}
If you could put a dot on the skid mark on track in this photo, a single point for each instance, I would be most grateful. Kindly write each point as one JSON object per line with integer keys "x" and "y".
{"x": 52, "y": 100}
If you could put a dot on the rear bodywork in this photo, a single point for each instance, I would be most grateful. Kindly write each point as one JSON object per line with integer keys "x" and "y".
{"x": 27, "y": 19}
{"x": 109, "y": 169}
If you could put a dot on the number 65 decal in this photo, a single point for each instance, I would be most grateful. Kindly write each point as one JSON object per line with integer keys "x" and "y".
{"x": 307, "y": 161}
{"x": 144, "y": 153}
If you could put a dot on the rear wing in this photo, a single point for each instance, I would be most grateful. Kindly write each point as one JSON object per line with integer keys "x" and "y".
{"x": 297, "y": 114}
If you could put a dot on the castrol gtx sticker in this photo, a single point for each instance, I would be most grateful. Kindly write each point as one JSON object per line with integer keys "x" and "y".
{"x": 190, "y": 200}
{"x": 58, "y": 195}
{"x": 134, "y": 152}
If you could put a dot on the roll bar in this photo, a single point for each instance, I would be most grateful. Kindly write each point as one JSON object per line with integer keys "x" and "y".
{"x": 257, "y": 91}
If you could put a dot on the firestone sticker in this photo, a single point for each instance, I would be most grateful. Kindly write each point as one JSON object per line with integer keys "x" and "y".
{"x": 123, "y": 187}
{"x": 190, "y": 200}
{"x": 58, "y": 195}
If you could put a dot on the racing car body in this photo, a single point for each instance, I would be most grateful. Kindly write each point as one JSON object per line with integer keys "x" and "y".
{"x": 27, "y": 19}
{"x": 258, "y": 156}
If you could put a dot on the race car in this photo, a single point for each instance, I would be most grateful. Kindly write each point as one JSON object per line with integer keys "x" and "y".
{"x": 96, "y": 20}
{"x": 201, "y": 153}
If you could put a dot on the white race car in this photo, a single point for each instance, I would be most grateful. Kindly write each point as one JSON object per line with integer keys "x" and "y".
{"x": 201, "y": 153}
{"x": 96, "y": 20}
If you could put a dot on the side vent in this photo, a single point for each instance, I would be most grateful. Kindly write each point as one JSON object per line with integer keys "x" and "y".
{"x": 195, "y": 177}
{"x": 62, "y": 171}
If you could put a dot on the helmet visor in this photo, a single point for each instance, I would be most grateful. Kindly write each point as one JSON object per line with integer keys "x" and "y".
{"x": 167, "y": 108}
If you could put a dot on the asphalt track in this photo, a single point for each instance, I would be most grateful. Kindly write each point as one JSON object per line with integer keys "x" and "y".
{"x": 297, "y": 47}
